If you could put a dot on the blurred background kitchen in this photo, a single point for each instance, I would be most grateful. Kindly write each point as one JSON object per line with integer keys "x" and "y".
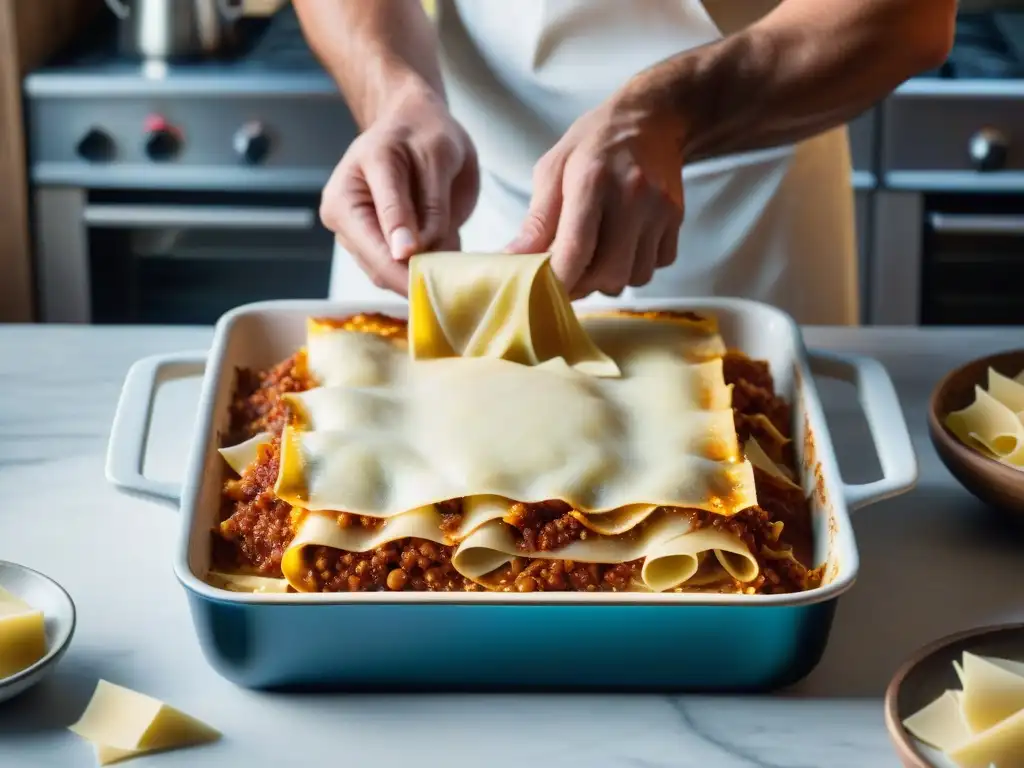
{"x": 141, "y": 191}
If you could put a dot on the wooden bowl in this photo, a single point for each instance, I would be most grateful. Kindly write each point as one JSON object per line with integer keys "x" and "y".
{"x": 994, "y": 483}
{"x": 928, "y": 673}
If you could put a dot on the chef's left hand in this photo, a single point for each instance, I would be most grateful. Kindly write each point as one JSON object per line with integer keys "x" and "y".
{"x": 608, "y": 198}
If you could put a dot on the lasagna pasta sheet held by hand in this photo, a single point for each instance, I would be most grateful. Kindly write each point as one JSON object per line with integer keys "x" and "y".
{"x": 506, "y": 442}
{"x": 510, "y": 307}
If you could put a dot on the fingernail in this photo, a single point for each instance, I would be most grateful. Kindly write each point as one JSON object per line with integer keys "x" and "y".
{"x": 402, "y": 243}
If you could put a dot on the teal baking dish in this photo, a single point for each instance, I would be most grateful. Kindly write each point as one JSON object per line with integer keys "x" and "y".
{"x": 496, "y": 641}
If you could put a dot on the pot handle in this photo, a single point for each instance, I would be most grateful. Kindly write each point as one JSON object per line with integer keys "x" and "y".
{"x": 889, "y": 431}
{"x": 130, "y": 430}
{"x": 119, "y": 9}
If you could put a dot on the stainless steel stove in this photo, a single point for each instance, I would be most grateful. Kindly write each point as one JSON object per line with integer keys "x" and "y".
{"x": 169, "y": 193}
{"x": 948, "y": 239}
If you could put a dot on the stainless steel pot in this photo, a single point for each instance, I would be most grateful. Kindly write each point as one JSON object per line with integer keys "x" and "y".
{"x": 174, "y": 29}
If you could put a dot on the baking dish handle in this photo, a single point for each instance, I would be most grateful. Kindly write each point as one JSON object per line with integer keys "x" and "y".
{"x": 130, "y": 431}
{"x": 889, "y": 432}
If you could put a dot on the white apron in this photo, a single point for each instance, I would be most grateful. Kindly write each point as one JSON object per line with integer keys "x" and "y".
{"x": 774, "y": 225}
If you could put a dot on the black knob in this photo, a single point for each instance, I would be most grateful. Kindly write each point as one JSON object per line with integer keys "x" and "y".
{"x": 252, "y": 144}
{"x": 96, "y": 146}
{"x": 162, "y": 144}
{"x": 988, "y": 149}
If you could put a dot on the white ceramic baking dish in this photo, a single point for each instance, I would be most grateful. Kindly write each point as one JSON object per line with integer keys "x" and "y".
{"x": 496, "y": 640}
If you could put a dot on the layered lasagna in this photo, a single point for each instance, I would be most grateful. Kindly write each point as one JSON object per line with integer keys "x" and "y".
{"x": 496, "y": 441}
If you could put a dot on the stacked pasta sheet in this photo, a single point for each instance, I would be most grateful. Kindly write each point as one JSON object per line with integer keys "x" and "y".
{"x": 500, "y": 403}
{"x": 993, "y": 424}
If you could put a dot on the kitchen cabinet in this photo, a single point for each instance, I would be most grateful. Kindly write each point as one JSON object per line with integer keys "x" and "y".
{"x": 30, "y": 30}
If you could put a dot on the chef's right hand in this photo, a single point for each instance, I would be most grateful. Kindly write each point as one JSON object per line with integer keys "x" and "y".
{"x": 405, "y": 185}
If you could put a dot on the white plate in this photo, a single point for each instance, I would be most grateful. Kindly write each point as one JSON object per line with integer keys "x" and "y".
{"x": 46, "y": 595}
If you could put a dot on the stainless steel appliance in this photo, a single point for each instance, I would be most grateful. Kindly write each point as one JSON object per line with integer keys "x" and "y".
{"x": 949, "y": 218}
{"x": 173, "y": 193}
{"x": 170, "y": 29}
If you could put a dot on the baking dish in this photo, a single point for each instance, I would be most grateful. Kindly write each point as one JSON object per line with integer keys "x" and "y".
{"x": 608, "y": 641}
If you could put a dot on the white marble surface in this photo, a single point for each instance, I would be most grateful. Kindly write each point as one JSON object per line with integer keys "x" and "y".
{"x": 932, "y": 562}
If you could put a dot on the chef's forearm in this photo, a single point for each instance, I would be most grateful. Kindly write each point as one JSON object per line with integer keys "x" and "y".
{"x": 376, "y": 50}
{"x": 808, "y": 66}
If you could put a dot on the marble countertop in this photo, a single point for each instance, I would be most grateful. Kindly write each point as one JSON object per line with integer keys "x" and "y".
{"x": 932, "y": 562}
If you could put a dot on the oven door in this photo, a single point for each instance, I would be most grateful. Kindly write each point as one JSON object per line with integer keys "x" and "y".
{"x": 178, "y": 257}
{"x": 972, "y": 260}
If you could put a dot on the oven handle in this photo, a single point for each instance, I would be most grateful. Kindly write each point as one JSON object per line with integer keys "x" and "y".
{"x": 194, "y": 216}
{"x": 976, "y": 224}
{"x": 129, "y": 433}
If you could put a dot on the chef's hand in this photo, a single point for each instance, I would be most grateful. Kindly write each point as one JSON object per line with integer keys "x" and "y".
{"x": 405, "y": 185}
{"x": 608, "y": 199}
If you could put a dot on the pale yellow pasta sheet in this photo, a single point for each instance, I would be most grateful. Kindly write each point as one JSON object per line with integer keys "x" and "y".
{"x": 241, "y": 455}
{"x": 508, "y": 306}
{"x": 1007, "y": 391}
{"x": 981, "y": 725}
{"x": 991, "y": 426}
{"x": 993, "y": 690}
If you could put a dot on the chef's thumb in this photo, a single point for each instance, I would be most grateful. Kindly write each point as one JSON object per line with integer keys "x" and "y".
{"x": 537, "y": 231}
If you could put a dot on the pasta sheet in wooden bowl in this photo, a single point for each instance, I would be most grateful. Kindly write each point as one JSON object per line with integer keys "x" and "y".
{"x": 976, "y": 423}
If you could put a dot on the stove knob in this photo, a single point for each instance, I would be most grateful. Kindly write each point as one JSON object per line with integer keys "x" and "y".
{"x": 252, "y": 144}
{"x": 162, "y": 144}
{"x": 96, "y": 146}
{"x": 988, "y": 149}
{"x": 163, "y": 141}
